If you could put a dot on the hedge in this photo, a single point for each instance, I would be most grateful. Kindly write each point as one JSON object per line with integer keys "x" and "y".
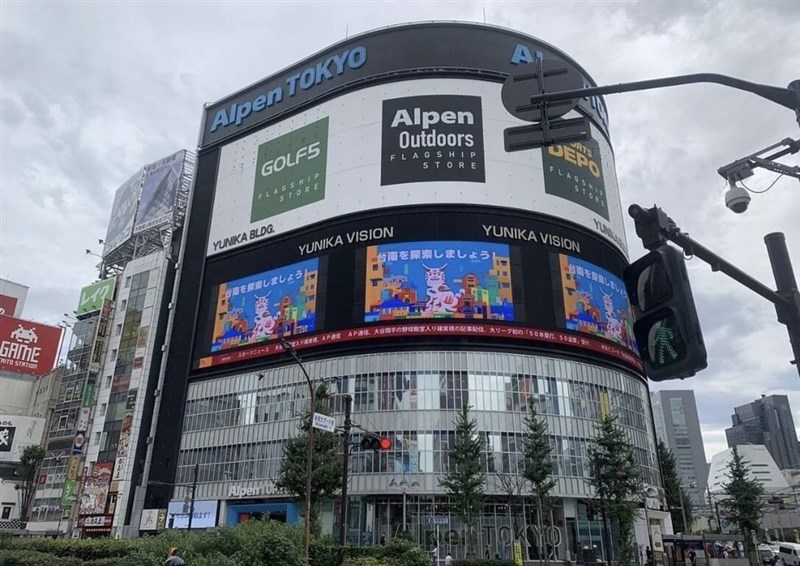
{"x": 255, "y": 543}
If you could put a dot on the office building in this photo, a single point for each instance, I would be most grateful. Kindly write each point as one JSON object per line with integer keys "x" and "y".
{"x": 362, "y": 206}
{"x": 678, "y": 426}
{"x": 767, "y": 421}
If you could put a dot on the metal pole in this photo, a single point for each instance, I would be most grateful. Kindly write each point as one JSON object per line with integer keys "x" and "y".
{"x": 348, "y": 407}
{"x": 404, "y": 510}
{"x": 194, "y": 489}
{"x": 683, "y": 511}
{"x": 786, "y": 285}
{"x": 287, "y": 346}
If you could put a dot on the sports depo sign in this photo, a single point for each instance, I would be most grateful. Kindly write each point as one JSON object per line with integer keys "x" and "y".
{"x": 28, "y": 347}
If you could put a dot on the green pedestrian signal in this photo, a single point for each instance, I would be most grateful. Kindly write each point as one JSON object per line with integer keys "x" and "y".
{"x": 666, "y": 326}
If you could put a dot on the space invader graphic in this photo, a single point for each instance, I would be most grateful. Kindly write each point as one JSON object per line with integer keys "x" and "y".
{"x": 27, "y": 335}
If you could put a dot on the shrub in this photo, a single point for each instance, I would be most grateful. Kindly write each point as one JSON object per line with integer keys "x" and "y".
{"x": 36, "y": 558}
{"x": 363, "y": 561}
{"x": 483, "y": 562}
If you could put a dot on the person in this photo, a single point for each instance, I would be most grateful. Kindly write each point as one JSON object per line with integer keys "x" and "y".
{"x": 649, "y": 554}
{"x": 383, "y": 539}
{"x": 173, "y": 559}
{"x": 488, "y": 555}
{"x": 692, "y": 556}
{"x": 434, "y": 555}
{"x": 448, "y": 560}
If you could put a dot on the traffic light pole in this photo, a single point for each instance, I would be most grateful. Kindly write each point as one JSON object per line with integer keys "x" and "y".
{"x": 655, "y": 228}
{"x": 348, "y": 423}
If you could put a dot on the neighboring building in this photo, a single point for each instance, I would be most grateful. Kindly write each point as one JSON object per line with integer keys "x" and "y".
{"x": 368, "y": 212}
{"x": 12, "y": 298}
{"x": 761, "y": 467}
{"x": 29, "y": 386}
{"x": 101, "y": 421}
{"x": 677, "y": 425}
{"x": 767, "y": 421}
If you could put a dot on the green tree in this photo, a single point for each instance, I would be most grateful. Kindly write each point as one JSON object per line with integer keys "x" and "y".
{"x": 743, "y": 500}
{"x": 537, "y": 468}
{"x": 674, "y": 491}
{"x": 326, "y": 479}
{"x": 27, "y": 474}
{"x": 464, "y": 481}
{"x": 615, "y": 478}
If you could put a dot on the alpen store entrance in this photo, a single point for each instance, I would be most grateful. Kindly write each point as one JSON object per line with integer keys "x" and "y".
{"x": 428, "y": 520}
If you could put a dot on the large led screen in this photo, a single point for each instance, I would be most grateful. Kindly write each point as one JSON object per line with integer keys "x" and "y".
{"x": 446, "y": 279}
{"x": 595, "y": 301}
{"x": 261, "y": 307}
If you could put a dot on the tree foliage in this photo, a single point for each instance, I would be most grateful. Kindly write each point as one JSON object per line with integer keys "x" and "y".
{"x": 326, "y": 477}
{"x": 674, "y": 491}
{"x": 744, "y": 494}
{"x": 615, "y": 478}
{"x": 27, "y": 474}
{"x": 537, "y": 467}
{"x": 465, "y": 479}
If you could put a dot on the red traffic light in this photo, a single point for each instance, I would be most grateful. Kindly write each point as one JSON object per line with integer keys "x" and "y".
{"x": 376, "y": 443}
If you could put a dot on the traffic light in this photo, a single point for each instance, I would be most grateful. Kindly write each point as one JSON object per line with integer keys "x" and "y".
{"x": 666, "y": 329}
{"x": 376, "y": 443}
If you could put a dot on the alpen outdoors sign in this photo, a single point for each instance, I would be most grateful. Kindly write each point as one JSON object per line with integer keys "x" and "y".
{"x": 432, "y": 138}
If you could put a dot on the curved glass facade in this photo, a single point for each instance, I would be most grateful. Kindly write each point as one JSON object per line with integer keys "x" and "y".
{"x": 235, "y": 427}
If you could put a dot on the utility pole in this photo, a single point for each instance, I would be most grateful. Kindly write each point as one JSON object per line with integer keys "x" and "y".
{"x": 191, "y": 502}
{"x": 288, "y": 347}
{"x": 348, "y": 423}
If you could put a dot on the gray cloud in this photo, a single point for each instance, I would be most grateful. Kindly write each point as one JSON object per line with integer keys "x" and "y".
{"x": 89, "y": 92}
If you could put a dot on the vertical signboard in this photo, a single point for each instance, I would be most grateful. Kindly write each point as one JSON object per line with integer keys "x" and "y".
{"x": 28, "y": 347}
{"x": 99, "y": 347}
{"x": 95, "y": 489}
{"x": 123, "y": 212}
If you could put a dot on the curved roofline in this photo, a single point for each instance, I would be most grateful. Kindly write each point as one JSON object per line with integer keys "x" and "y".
{"x": 418, "y": 24}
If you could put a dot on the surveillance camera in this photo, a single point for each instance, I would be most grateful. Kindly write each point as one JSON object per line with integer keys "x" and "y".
{"x": 737, "y": 199}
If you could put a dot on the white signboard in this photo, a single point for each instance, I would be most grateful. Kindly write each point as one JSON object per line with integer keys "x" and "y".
{"x": 16, "y": 433}
{"x": 204, "y": 517}
{"x": 427, "y": 141}
{"x": 149, "y": 520}
{"x": 324, "y": 422}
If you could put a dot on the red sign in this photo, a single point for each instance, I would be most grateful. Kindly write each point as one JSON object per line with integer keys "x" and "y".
{"x": 435, "y": 329}
{"x": 7, "y": 305}
{"x": 28, "y": 347}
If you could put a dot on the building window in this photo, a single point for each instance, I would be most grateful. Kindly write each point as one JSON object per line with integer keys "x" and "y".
{"x": 96, "y": 441}
{"x": 108, "y": 381}
{"x": 124, "y": 304}
{"x": 103, "y": 408}
{"x": 62, "y": 422}
{"x": 118, "y": 330}
{"x": 6, "y": 512}
{"x": 127, "y": 281}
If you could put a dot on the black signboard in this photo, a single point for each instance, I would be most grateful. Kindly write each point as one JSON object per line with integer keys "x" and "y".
{"x": 432, "y": 138}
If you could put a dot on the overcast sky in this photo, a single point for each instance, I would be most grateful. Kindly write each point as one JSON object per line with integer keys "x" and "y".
{"x": 91, "y": 91}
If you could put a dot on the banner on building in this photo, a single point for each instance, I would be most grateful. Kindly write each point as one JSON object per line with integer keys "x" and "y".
{"x": 16, "y": 433}
{"x": 28, "y": 347}
{"x": 95, "y": 489}
{"x": 93, "y": 296}
{"x": 160, "y": 184}
{"x": 100, "y": 337}
{"x": 123, "y": 212}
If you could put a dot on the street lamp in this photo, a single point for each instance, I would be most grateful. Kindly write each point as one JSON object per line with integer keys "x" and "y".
{"x": 683, "y": 509}
{"x": 288, "y": 347}
{"x": 403, "y": 485}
